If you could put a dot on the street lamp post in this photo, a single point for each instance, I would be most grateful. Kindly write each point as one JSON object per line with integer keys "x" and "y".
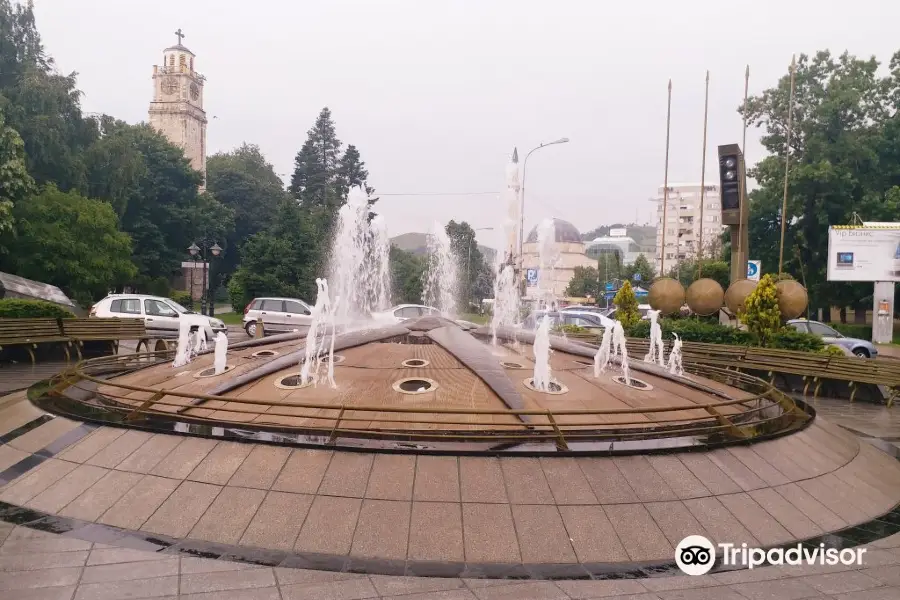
{"x": 522, "y": 203}
{"x": 468, "y": 261}
{"x": 215, "y": 250}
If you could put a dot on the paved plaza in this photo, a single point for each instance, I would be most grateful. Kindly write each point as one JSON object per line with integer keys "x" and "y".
{"x": 189, "y": 498}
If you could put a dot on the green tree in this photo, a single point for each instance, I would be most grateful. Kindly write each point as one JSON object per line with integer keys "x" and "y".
{"x": 627, "y": 312}
{"x": 15, "y": 182}
{"x": 471, "y": 260}
{"x": 609, "y": 267}
{"x": 316, "y": 181}
{"x": 352, "y": 172}
{"x": 584, "y": 283}
{"x": 843, "y": 160}
{"x": 407, "y": 272}
{"x": 281, "y": 261}
{"x": 687, "y": 272}
{"x": 246, "y": 183}
{"x": 72, "y": 242}
{"x": 640, "y": 266}
{"x": 762, "y": 315}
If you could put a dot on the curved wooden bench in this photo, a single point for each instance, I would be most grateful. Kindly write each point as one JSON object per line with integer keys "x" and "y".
{"x": 105, "y": 330}
{"x": 28, "y": 333}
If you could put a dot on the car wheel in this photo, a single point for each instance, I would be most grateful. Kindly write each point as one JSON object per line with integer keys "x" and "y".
{"x": 251, "y": 329}
{"x": 861, "y": 352}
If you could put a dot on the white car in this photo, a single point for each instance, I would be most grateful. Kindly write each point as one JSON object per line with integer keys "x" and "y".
{"x": 401, "y": 312}
{"x": 161, "y": 316}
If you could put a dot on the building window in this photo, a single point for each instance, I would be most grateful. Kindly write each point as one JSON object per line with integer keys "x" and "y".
{"x": 192, "y": 63}
{"x": 171, "y": 60}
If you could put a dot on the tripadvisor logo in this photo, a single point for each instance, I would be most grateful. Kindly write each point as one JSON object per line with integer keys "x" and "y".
{"x": 696, "y": 555}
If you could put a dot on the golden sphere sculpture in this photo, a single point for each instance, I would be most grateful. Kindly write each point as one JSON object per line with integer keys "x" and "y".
{"x": 666, "y": 295}
{"x": 705, "y": 296}
{"x": 737, "y": 293}
{"x": 792, "y": 298}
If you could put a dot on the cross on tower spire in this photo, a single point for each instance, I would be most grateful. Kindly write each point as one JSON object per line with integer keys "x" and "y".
{"x": 180, "y": 35}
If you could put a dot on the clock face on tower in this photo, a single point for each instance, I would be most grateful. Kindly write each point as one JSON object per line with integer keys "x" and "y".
{"x": 169, "y": 85}
{"x": 195, "y": 92}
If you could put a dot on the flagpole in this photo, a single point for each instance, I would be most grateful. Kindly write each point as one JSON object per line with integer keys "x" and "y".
{"x": 703, "y": 180}
{"x": 787, "y": 161}
{"x": 662, "y": 253}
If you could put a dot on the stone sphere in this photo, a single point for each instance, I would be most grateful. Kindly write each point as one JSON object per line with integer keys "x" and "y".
{"x": 705, "y": 296}
{"x": 666, "y": 295}
{"x": 737, "y": 294}
{"x": 792, "y": 298}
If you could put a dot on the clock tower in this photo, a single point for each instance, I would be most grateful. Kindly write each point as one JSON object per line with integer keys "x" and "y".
{"x": 177, "y": 107}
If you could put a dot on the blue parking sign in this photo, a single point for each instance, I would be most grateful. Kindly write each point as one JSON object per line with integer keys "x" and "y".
{"x": 531, "y": 277}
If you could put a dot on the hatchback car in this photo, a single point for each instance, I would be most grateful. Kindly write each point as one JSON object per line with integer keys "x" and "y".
{"x": 161, "y": 315}
{"x": 587, "y": 320}
{"x": 829, "y": 335}
{"x": 277, "y": 314}
{"x": 401, "y": 312}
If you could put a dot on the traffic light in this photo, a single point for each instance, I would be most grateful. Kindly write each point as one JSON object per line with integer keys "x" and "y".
{"x": 732, "y": 180}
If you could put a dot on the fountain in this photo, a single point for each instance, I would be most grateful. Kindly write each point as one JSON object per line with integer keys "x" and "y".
{"x": 221, "y": 353}
{"x": 549, "y": 257}
{"x": 601, "y": 358}
{"x": 198, "y": 338}
{"x": 619, "y": 349}
{"x": 656, "y": 344}
{"x": 542, "y": 373}
{"x": 442, "y": 276}
{"x": 359, "y": 267}
{"x": 323, "y": 314}
{"x": 185, "y": 345}
{"x": 675, "y": 366}
{"x": 506, "y": 289}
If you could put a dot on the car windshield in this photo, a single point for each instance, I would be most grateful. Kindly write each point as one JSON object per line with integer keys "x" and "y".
{"x": 179, "y": 308}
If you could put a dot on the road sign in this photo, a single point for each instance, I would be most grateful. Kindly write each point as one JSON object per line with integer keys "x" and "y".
{"x": 637, "y": 276}
{"x": 609, "y": 286}
{"x": 531, "y": 277}
{"x": 753, "y": 269}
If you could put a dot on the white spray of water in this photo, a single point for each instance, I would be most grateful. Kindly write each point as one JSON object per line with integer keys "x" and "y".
{"x": 221, "y": 353}
{"x": 549, "y": 258}
{"x": 601, "y": 358}
{"x": 542, "y": 373}
{"x": 675, "y": 366}
{"x": 183, "y": 351}
{"x": 619, "y": 349}
{"x": 359, "y": 267}
{"x": 506, "y": 288}
{"x": 656, "y": 342}
{"x": 323, "y": 314}
{"x": 199, "y": 341}
{"x": 442, "y": 275}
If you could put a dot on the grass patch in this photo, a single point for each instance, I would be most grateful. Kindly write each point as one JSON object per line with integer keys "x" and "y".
{"x": 475, "y": 318}
{"x": 231, "y": 318}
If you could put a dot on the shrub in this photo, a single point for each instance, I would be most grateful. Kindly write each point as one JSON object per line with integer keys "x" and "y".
{"x": 863, "y": 332}
{"x": 832, "y": 351}
{"x": 571, "y": 329}
{"x": 16, "y": 308}
{"x": 692, "y": 330}
{"x": 183, "y": 298}
{"x": 762, "y": 315}
{"x": 626, "y": 306}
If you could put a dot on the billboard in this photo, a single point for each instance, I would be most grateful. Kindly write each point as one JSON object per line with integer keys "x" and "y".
{"x": 864, "y": 253}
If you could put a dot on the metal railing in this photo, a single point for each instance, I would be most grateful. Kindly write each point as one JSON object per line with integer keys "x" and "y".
{"x": 764, "y": 411}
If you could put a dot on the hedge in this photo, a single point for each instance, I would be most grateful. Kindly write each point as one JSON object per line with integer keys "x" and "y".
{"x": 183, "y": 298}
{"x": 690, "y": 330}
{"x": 17, "y": 308}
{"x": 863, "y": 332}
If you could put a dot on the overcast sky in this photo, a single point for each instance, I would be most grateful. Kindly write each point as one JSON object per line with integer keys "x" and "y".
{"x": 436, "y": 94}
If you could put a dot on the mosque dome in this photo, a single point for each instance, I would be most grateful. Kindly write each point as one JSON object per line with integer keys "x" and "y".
{"x": 566, "y": 233}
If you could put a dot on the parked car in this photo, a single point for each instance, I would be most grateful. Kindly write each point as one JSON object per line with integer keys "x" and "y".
{"x": 579, "y": 308}
{"x": 401, "y": 312}
{"x": 161, "y": 315}
{"x": 277, "y": 314}
{"x": 861, "y": 348}
{"x": 588, "y": 320}
{"x": 642, "y": 308}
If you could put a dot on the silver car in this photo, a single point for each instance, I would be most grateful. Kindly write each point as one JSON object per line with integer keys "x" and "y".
{"x": 278, "y": 315}
{"x": 829, "y": 335}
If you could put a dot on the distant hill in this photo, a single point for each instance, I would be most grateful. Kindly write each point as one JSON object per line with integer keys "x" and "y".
{"x": 417, "y": 243}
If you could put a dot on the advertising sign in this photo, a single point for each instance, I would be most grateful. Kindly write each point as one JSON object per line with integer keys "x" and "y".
{"x": 753, "y": 269}
{"x": 864, "y": 253}
{"x": 531, "y": 277}
{"x": 617, "y": 233}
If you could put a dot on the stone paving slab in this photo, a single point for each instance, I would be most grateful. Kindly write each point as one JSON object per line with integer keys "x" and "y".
{"x": 57, "y": 569}
{"x": 504, "y": 509}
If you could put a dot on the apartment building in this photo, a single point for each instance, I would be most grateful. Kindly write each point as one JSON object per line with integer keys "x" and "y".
{"x": 683, "y": 223}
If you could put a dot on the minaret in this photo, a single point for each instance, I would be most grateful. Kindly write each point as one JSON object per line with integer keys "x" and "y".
{"x": 177, "y": 106}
